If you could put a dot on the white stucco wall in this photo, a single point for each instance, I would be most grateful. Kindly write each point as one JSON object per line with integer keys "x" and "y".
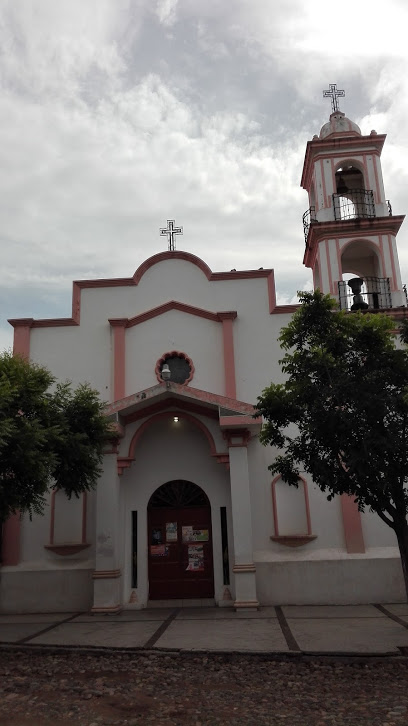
{"x": 199, "y": 338}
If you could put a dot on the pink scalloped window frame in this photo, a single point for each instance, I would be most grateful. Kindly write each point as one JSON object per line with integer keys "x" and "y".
{"x": 174, "y": 354}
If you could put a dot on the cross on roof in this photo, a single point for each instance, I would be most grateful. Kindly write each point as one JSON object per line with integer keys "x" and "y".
{"x": 170, "y": 231}
{"x": 334, "y": 94}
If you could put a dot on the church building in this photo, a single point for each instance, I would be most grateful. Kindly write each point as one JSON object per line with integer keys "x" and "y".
{"x": 186, "y": 509}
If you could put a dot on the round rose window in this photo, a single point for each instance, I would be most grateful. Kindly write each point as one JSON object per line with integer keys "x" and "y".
{"x": 180, "y": 365}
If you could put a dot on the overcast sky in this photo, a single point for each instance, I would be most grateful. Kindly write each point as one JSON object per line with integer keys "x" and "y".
{"x": 117, "y": 115}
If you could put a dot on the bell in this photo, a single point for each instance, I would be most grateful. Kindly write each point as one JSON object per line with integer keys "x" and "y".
{"x": 342, "y": 187}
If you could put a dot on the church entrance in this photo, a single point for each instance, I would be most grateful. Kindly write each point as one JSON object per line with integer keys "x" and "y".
{"x": 180, "y": 542}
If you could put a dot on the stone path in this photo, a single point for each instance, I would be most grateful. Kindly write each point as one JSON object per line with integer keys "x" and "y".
{"x": 106, "y": 688}
{"x": 369, "y": 629}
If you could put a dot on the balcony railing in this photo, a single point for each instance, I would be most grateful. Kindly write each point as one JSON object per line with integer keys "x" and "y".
{"x": 359, "y": 204}
{"x": 373, "y": 293}
{"x": 308, "y": 217}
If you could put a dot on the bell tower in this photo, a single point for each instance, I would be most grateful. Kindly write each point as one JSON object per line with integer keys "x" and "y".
{"x": 349, "y": 226}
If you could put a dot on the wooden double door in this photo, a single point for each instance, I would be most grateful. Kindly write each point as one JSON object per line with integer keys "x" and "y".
{"x": 180, "y": 543}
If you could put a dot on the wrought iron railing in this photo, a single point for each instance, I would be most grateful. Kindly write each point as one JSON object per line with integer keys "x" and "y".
{"x": 373, "y": 293}
{"x": 308, "y": 217}
{"x": 358, "y": 204}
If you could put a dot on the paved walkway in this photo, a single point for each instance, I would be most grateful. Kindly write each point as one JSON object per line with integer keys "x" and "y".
{"x": 363, "y": 629}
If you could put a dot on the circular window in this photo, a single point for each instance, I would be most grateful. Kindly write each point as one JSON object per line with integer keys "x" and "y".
{"x": 180, "y": 365}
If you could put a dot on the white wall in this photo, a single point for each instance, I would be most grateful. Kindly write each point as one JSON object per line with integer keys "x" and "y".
{"x": 199, "y": 338}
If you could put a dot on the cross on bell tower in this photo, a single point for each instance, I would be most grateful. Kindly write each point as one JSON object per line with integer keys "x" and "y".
{"x": 170, "y": 231}
{"x": 333, "y": 93}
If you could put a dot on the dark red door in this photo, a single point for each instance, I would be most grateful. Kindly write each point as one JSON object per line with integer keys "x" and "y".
{"x": 180, "y": 545}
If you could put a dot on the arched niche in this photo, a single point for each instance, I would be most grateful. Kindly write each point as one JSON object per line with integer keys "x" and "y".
{"x": 291, "y": 513}
{"x": 67, "y": 523}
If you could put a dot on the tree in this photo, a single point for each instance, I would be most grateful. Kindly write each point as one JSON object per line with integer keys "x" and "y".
{"x": 50, "y": 436}
{"x": 346, "y": 393}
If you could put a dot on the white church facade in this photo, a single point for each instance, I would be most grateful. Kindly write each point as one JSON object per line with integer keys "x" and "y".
{"x": 186, "y": 509}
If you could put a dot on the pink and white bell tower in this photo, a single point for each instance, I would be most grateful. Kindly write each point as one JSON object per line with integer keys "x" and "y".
{"x": 349, "y": 226}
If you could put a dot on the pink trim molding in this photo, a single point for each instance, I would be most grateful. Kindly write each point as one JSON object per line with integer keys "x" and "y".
{"x": 79, "y": 285}
{"x": 229, "y": 356}
{"x": 109, "y": 609}
{"x": 293, "y": 540}
{"x": 237, "y": 438}
{"x": 11, "y": 540}
{"x": 105, "y": 574}
{"x": 322, "y": 171}
{"x": 349, "y": 229}
{"x": 238, "y": 604}
{"x": 285, "y": 309}
{"x": 185, "y": 392}
{"x": 377, "y": 180}
{"x": 250, "y": 567}
{"x": 166, "y": 307}
{"x": 393, "y": 266}
{"x": 353, "y": 530}
{"x": 21, "y": 344}
{"x": 119, "y": 365}
{"x": 328, "y": 263}
{"x": 66, "y": 549}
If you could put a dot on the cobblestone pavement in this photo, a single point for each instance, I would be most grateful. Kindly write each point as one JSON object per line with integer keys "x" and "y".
{"x": 39, "y": 688}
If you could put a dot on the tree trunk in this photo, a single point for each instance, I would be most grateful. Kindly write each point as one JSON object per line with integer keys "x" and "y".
{"x": 401, "y": 530}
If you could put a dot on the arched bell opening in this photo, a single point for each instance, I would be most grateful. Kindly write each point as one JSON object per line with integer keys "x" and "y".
{"x": 362, "y": 286}
{"x": 362, "y": 259}
{"x": 352, "y": 200}
{"x": 180, "y": 542}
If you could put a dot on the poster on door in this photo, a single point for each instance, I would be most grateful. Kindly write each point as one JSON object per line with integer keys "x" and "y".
{"x": 159, "y": 550}
{"x": 190, "y": 534}
{"x": 171, "y": 531}
{"x": 195, "y": 553}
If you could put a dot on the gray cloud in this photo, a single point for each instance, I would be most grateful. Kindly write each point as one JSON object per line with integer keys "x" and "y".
{"x": 117, "y": 115}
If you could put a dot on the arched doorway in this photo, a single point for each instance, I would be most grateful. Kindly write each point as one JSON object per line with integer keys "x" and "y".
{"x": 180, "y": 542}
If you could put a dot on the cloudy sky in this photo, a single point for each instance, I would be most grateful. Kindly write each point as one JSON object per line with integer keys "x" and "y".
{"x": 116, "y": 115}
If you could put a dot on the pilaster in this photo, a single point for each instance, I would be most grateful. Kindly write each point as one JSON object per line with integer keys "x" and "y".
{"x": 107, "y": 575}
{"x": 244, "y": 568}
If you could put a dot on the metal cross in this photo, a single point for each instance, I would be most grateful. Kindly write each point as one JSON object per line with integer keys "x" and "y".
{"x": 334, "y": 94}
{"x": 170, "y": 231}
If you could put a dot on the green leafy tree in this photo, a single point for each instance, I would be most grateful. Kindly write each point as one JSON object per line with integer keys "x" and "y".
{"x": 346, "y": 402}
{"x": 50, "y": 436}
